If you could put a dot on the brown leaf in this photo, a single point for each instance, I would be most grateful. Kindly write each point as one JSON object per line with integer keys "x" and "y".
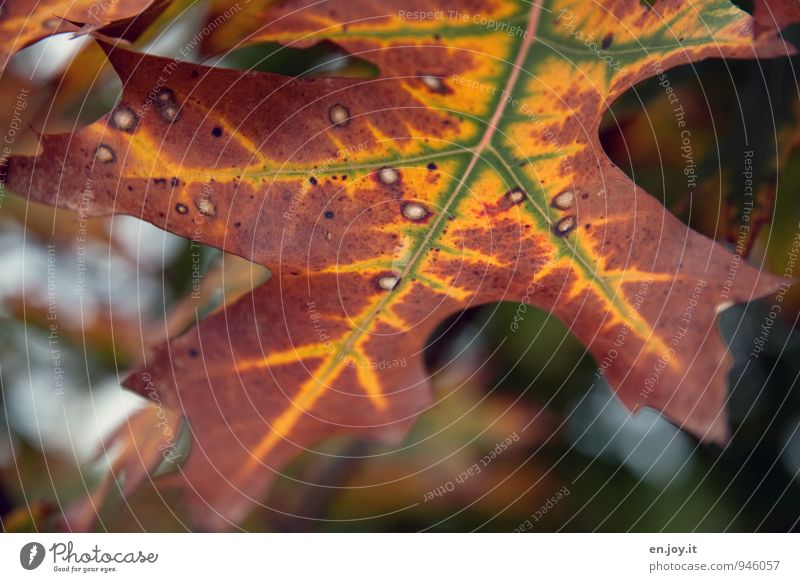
{"x": 469, "y": 172}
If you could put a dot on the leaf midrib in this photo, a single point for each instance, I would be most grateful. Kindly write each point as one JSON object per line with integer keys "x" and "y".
{"x": 477, "y": 152}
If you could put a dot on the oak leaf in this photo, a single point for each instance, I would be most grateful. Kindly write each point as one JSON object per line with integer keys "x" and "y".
{"x": 468, "y": 172}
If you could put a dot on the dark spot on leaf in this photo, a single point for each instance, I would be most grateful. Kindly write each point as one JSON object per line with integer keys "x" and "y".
{"x": 515, "y": 196}
{"x": 388, "y": 176}
{"x": 168, "y": 107}
{"x": 435, "y": 83}
{"x": 339, "y": 115}
{"x": 216, "y": 132}
{"x": 607, "y": 40}
{"x": 169, "y": 112}
{"x": 312, "y": 180}
{"x": 386, "y": 281}
{"x": 165, "y": 96}
{"x": 193, "y": 353}
{"x": 205, "y": 206}
{"x": 328, "y": 214}
{"x": 124, "y": 118}
{"x": 563, "y": 201}
{"x": 105, "y": 154}
{"x": 414, "y": 211}
{"x": 431, "y": 166}
{"x": 564, "y": 226}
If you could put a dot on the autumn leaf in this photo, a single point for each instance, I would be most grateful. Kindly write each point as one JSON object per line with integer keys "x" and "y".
{"x": 470, "y": 171}
{"x": 22, "y": 24}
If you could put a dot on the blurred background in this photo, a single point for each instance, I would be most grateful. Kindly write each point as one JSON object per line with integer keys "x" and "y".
{"x": 553, "y": 448}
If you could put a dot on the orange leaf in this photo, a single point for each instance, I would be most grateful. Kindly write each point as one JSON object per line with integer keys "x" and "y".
{"x": 468, "y": 172}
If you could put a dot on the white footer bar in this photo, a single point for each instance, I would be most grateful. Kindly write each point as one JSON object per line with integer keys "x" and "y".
{"x": 401, "y": 557}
